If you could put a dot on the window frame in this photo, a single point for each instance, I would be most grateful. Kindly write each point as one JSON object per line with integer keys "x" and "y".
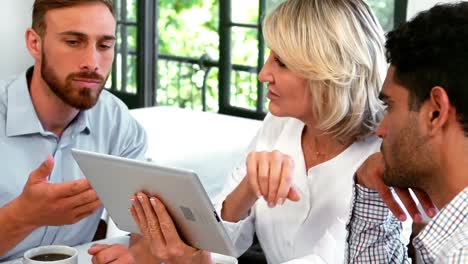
{"x": 148, "y": 56}
{"x": 225, "y": 63}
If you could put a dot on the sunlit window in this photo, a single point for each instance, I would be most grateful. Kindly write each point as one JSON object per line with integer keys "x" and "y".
{"x": 207, "y": 53}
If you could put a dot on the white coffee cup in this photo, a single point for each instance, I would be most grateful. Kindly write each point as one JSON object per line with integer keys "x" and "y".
{"x": 222, "y": 259}
{"x": 46, "y": 251}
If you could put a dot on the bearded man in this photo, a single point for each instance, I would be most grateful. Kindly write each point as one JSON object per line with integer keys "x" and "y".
{"x": 54, "y": 106}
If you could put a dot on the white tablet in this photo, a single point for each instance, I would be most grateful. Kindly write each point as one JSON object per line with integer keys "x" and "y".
{"x": 116, "y": 179}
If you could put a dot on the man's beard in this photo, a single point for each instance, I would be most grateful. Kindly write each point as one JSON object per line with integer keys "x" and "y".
{"x": 407, "y": 163}
{"x": 80, "y": 98}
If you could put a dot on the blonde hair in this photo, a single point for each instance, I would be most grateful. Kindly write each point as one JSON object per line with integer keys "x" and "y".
{"x": 338, "y": 46}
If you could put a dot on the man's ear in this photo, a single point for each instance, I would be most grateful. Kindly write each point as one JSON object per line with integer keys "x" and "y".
{"x": 438, "y": 109}
{"x": 33, "y": 43}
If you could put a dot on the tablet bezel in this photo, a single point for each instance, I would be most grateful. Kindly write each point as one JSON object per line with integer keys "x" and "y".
{"x": 116, "y": 179}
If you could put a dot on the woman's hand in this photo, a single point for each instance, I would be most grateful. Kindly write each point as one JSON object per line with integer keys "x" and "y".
{"x": 370, "y": 175}
{"x": 269, "y": 175}
{"x": 157, "y": 227}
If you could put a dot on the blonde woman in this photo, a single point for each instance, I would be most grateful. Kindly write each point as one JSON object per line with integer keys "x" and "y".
{"x": 294, "y": 189}
{"x": 324, "y": 74}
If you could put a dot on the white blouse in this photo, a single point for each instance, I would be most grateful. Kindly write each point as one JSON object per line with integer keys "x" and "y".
{"x": 312, "y": 230}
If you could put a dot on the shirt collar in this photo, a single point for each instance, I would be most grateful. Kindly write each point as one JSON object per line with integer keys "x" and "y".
{"x": 452, "y": 217}
{"x": 81, "y": 123}
{"x": 22, "y": 118}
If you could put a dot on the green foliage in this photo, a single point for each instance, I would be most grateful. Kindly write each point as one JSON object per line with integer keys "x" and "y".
{"x": 179, "y": 5}
{"x": 384, "y": 10}
{"x": 188, "y": 28}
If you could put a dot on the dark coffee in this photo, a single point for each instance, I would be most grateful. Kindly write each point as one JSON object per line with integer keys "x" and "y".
{"x": 50, "y": 257}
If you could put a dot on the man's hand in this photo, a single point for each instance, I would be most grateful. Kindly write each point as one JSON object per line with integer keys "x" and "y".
{"x": 159, "y": 230}
{"x": 55, "y": 204}
{"x": 270, "y": 175}
{"x": 115, "y": 254}
{"x": 370, "y": 175}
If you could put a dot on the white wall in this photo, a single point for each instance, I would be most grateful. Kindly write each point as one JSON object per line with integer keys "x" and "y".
{"x": 415, "y": 6}
{"x": 15, "y": 17}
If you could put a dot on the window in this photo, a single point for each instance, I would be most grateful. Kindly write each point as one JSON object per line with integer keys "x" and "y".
{"x": 200, "y": 54}
{"x": 192, "y": 72}
{"x": 242, "y": 56}
{"x": 134, "y": 53}
{"x": 123, "y": 80}
{"x": 188, "y": 54}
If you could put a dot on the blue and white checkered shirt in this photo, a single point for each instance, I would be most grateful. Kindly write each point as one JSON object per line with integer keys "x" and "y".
{"x": 445, "y": 239}
{"x": 373, "y": 232}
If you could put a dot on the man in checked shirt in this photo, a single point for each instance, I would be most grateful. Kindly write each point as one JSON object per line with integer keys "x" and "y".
{"x": 425, "y": 144}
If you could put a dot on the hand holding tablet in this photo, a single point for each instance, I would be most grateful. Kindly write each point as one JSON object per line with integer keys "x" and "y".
{"x": 116, "y": 180}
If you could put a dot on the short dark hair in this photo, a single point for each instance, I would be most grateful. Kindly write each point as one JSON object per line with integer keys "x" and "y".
{"x": 41, "y": 7}
{"x": 432, "y": 50}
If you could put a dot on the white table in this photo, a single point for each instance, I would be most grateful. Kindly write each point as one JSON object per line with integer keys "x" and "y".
{"x": 83, "y": 256}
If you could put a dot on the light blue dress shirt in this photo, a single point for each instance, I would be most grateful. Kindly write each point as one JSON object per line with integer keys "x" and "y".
{"x": 24, "y": 144}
